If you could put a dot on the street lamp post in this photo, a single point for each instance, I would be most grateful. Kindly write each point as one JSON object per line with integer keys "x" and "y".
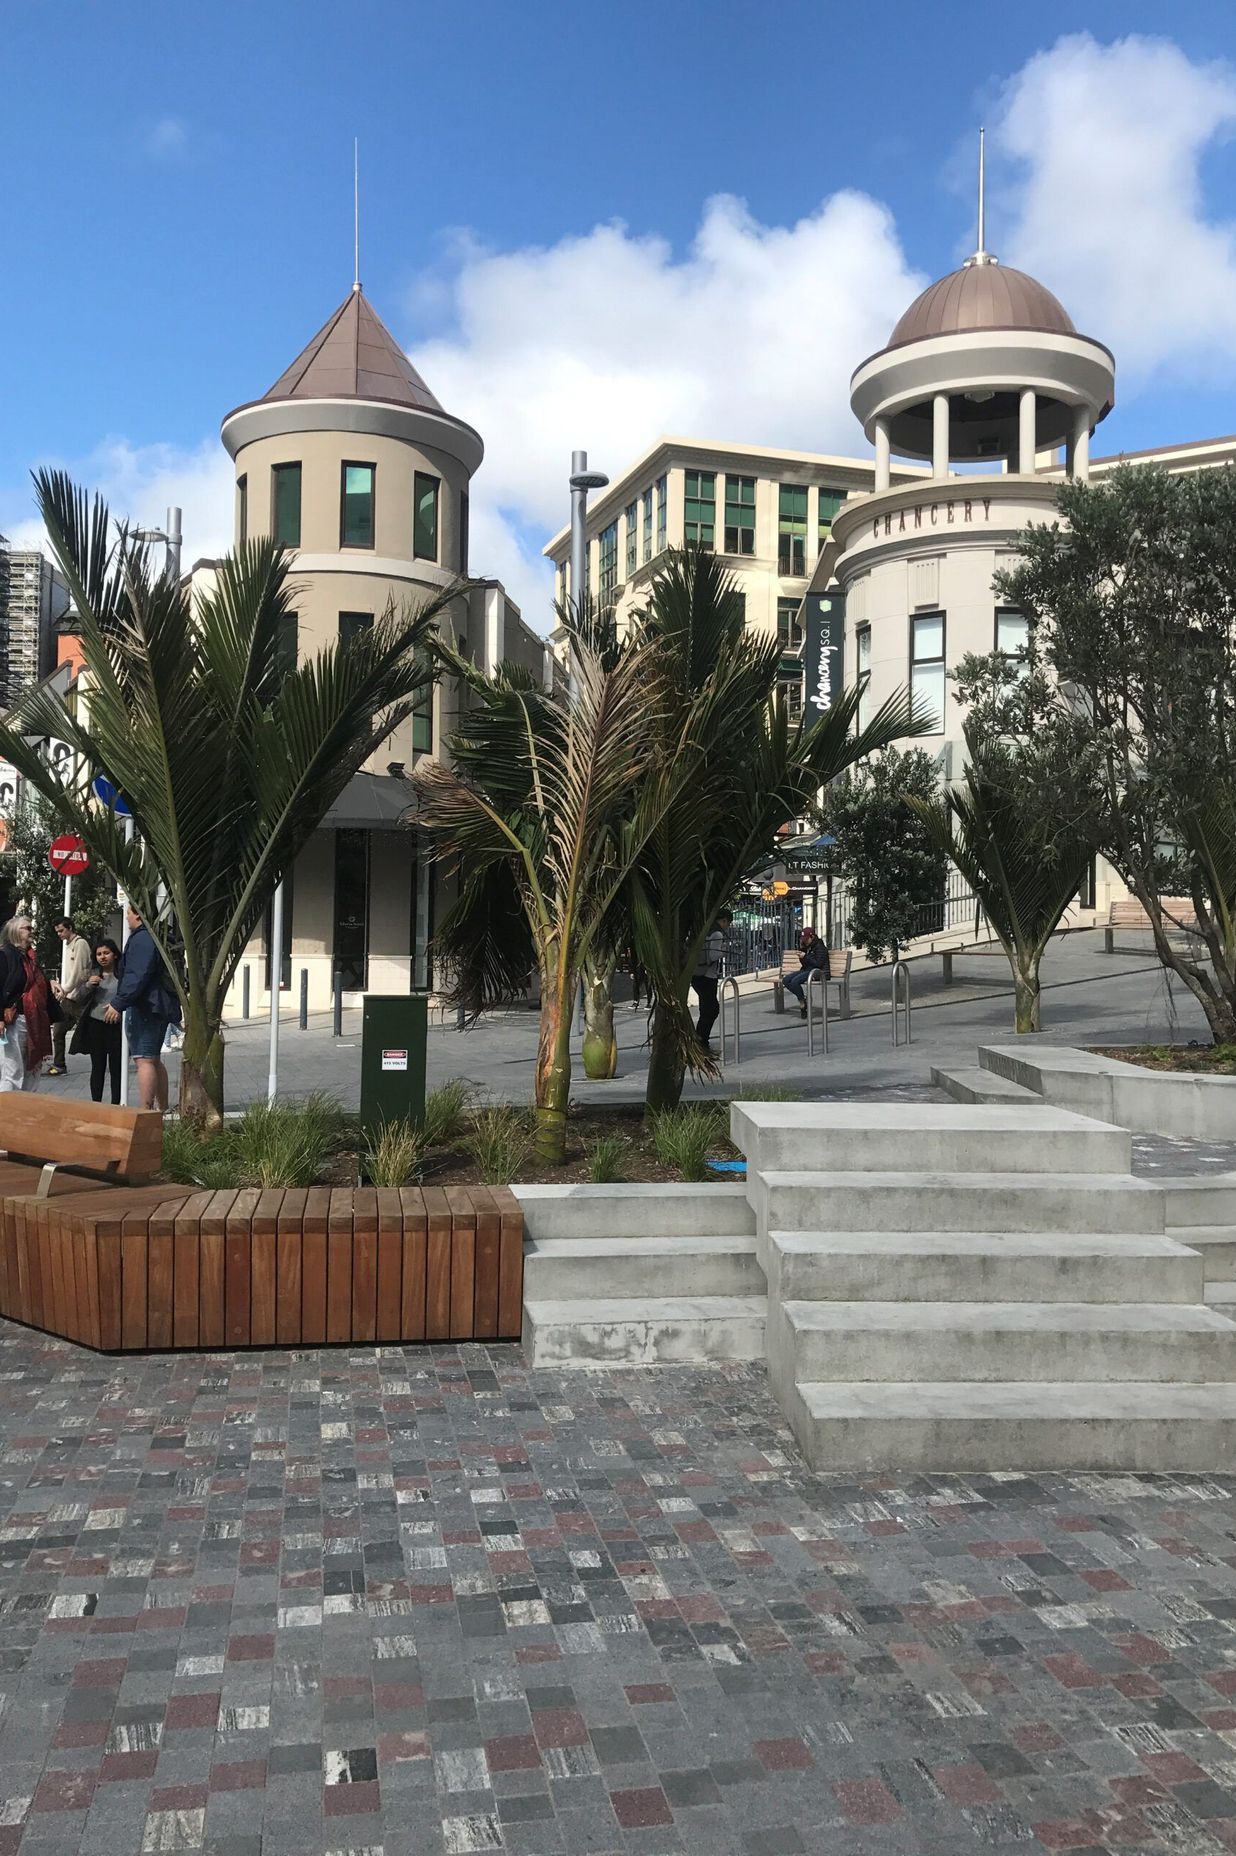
{"x": 581, "y": 480}
{"x": 171, "y": 539}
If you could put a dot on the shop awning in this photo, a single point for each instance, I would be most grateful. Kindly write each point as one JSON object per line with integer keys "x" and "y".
{"x": 371, "y": 802}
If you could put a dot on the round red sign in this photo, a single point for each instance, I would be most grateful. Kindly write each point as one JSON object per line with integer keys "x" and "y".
{"x": 67, "y": 855}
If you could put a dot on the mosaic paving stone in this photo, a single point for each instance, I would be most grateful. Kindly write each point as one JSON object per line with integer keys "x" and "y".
{"x": 394, "y": 1600}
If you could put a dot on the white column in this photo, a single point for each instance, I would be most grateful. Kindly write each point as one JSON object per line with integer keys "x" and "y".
{"x": 1025, "y": 448}
{"x": 939, "y": 436}
{"x": 1081, "y": 443}
{"x": 881, "y": 457}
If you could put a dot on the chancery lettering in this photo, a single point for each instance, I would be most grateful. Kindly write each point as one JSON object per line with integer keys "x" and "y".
{"x": 953, "y": 509}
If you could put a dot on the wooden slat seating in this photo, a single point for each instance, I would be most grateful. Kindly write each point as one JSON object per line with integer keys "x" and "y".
{"x": 1179, "y": 912}
{"x": 136, "y": 1269}
{"x": 840, "y": 960}
{"x": 66, "y": 1139}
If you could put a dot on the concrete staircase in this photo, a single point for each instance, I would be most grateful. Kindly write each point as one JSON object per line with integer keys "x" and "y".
{"x": 600, "y": 1291}
{"x": 978, "y": 1287}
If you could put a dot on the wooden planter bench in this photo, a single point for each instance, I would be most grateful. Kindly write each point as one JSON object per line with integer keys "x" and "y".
{"x": 65, "y": 1139}
{"x": 790, "y": 963}
{"x": 1130, "y": 914}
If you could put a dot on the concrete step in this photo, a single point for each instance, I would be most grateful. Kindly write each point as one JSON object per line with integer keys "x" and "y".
{"x": 565, "y": 1267}
{"x": 664, "y": 1209}
{"x": 644, "y": 1331}
{"x": 1201, "y": 1200}
{"x": 915, "y": 1137}
{"x": 943, "y": 1201}
{"x": 993, "y": 1342}
{"x": 1077, "y": 1425}
{"x": 1222, "y": 1295}
{"x": 1215, "y": 1244}
{"x": 981, "y": 1266}
{"x": 975, "y": 1085}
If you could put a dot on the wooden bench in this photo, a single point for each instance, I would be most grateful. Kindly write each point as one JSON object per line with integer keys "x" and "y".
{"x": 69, "y": 1138}
{"x": 981, "y": 947}
{"x": 790, "y": 963}
{"x": 1130, "y": 914}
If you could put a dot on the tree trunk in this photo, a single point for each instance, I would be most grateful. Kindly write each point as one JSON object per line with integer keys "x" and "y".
{"x": 666, "y": 1069}
{"x": 600, "y": 1045}
{"x": 201, "y": 1073}
{"x": 1026, "y": 997}
{"x": 553, "y": 1071}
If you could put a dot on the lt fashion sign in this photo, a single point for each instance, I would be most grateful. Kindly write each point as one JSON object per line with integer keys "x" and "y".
{"x": 943, "y": 514}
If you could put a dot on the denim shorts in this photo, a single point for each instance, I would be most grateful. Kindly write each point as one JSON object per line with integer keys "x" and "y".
{"x": 146, "y": 1031}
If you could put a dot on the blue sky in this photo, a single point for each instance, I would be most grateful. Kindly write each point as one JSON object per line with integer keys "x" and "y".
{"x": 178, "y": 217}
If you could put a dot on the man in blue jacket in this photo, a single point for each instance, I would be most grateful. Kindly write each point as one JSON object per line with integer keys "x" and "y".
{"x": 146, "y": 997}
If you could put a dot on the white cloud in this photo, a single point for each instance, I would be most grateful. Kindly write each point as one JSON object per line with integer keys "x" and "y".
{"x": 610, "y": 341}
{"x": 1107, "y": 204}
{"x": 138, "y": 483}
{"x": 167, "y": 139}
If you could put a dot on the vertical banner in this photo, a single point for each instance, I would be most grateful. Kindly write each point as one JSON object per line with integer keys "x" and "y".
{"x": 823, "y": 653}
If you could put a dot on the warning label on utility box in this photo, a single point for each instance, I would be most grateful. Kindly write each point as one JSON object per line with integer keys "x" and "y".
{"x": 394, "y": 1059}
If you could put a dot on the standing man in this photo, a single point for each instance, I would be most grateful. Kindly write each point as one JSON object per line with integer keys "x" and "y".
{"x": 77, "y": 970}
{"x": 151, "y": 1005}
{"x": 705, "y": 981}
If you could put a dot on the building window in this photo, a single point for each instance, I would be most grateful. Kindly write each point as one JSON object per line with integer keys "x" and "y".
{"x": 351, "y": 938}
{"x": 647, "y": 525}
{"x": 927, "y": 665}
{"x": 607, "y": 554}
{"x": 242, "y": 510}
{"x": 356, "y": 511}
{"x": 830, "y": 503}
{"x": 1012, "y": 636}
{"x": 422, "y": 715}
{"x": 562, "y": 583}
{"x": 286, "y": 645}
{"x": 789, "y": 630}
{"x": 738, "y": 607}
{"x": 740, "y": 515}
{"x": 662, "y": 512}
{"x": 632, "y": 538}
{"x": 285, "y": 505}
{"x": 792, "y": 530}
{"x": 790, "y": 686}
{"x": 352, "y": 624}
{"x": 464, "y": 519}
{"x": 700, "y": 508}
{"x": 862, "y": 640}
{"x": 424, "y": 517}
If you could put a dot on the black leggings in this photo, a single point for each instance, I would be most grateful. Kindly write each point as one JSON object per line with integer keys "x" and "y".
{"x": 103, "y": 1043}
{"x": 706, "y": 993}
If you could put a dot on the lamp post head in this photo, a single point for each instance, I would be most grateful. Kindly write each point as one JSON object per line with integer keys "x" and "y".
{"x": 588, "y": 480}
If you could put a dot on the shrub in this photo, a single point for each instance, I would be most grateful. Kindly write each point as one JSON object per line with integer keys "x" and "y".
{"x": 606, "y": 1156}
{"x": 683, "y": 1136}
{"x": 395, "y": 1157}
{"x": 446, "y": 1112}
{"x": 500, "y": 1143}
{"x": 281, "y": 1145}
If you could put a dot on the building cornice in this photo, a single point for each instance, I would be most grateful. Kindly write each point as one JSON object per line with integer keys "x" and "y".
{"x": 412, "y": 425}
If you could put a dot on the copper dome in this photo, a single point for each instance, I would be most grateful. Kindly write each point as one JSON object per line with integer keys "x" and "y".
{"x": 982, "y": 296}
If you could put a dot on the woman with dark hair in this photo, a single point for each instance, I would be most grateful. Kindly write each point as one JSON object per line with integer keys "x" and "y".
{"x": 94, "y": 1036}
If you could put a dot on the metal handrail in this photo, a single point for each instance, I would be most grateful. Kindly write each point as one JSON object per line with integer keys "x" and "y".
{"x": 728, "y": 985}
{"x": 816, "y": 976}
{"x": 901, "y": 977}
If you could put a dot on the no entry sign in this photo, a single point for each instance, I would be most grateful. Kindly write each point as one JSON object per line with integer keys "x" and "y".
{"x": 67, "y": 855}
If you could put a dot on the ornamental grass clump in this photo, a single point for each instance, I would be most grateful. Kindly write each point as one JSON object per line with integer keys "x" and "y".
{"x": 395, "y": 1156}
{"x": 683, "y": 1137}
{"x": 500, "y": 1143}
{"x": 606, "y": 1159}
{"x": 446, "y": 1112}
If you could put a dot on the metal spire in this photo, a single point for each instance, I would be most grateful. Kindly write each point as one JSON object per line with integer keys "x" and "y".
{"x": 982, "y": 255}
{"x": 356, "y": 213}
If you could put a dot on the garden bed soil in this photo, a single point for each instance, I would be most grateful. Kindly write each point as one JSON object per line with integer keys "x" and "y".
{"x": 1194, "y": 1059}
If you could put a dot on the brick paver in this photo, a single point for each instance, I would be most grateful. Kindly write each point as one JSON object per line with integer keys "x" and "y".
{"x": 394, "y": 1601}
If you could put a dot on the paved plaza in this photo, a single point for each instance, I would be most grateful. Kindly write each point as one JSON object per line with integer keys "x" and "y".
{"x": 1089, "y": 998}
{"x": 411, "y": 1601}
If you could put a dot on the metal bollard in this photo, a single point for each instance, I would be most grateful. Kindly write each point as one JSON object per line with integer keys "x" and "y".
{"x": 244, "y": 991}
{"x": 304, "y": 998}
{"x": 901, "y": 995}
{"x": 816, "y": 978}
{"x": 727, "y": 986}
{"x": 336, "y": 1029}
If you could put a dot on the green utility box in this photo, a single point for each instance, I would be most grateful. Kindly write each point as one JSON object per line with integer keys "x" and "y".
{"x": 393, "y": 1033}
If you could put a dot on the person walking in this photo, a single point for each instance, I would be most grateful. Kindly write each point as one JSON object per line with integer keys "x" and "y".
{"x": 813, "y": 958}
{"x": 96, "y": 1035}
{"x": 66, "y": 989}
{"x": 706, "y": 980}
{"x": 150, "y": 1006}
{"x": 27, "y": 1008}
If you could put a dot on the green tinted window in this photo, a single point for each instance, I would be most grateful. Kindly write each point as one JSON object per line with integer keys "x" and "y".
{"x": 700, "y": 508}
{"x": 830, "y": 503}
{"x": 740, "y": 515}
{"x": 285, "y": 498}
{"x": 792, "y": 529}
{"x": 425, "y": 518}
{"x": 351, "y": 624}
{"x": 286, "y": 645}
{"x": 356, "y": 520}
{"x": 242, "y": 510}
{"x": 632, "y": 520}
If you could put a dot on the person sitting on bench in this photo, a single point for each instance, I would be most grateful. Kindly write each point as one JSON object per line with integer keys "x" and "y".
{"x": 813, "y": 956}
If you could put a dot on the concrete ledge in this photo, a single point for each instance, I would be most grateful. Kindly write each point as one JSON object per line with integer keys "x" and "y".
{"x": 670, "y": 1208}
{"x": 1199, "y": 1108}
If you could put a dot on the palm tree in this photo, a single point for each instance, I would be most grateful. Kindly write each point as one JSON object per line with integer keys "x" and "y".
{"x": 228, "y": 757}
{"x": 753, "y": 771}
{"x": 550, "y": 800}
{"x": 1025, "y": 867}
